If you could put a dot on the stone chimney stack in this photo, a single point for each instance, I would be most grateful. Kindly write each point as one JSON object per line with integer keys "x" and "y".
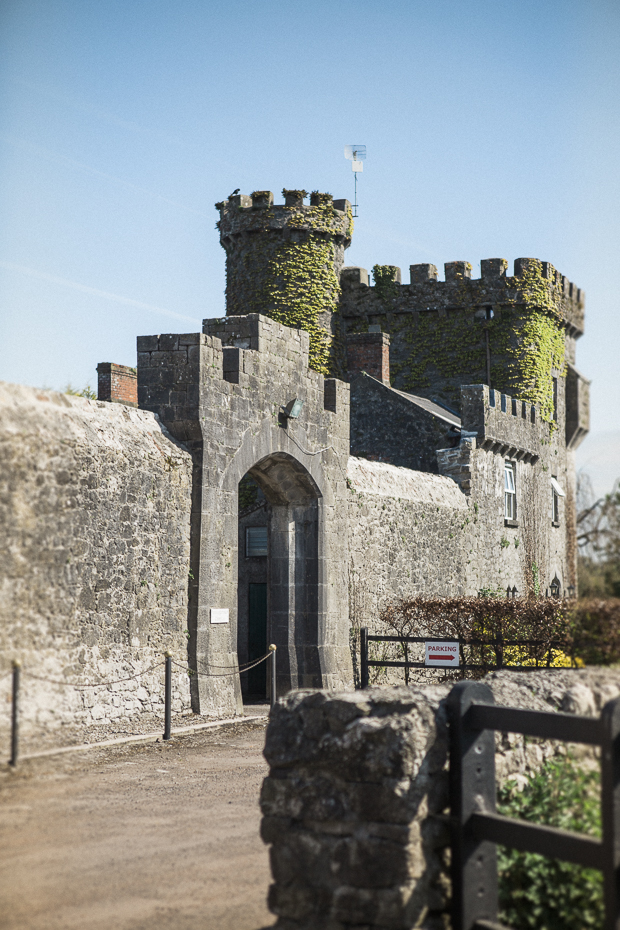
{"x": 117, "y": 384}
{"x": 369, "y": 352}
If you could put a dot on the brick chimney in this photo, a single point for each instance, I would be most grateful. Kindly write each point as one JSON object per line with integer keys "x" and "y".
{"x": 117, "y": 384}
{"x": 369, "y": 352}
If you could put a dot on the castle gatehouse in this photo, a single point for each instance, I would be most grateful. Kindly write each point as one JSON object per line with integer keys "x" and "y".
{"x": 329, "y": 446}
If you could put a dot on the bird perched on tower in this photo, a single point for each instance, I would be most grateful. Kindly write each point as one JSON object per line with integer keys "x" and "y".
{"x": 234, "y": 193}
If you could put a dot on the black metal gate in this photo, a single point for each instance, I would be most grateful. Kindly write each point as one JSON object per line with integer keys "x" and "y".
{"x": 497, "y": 645}
{"x": 477, "y": 828}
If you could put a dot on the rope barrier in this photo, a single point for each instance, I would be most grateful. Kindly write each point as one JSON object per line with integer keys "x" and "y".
{"x": 167, "y": 663}
{"x": 227, "y": 670}
{"x": 99, "y": 684}
{"x": 232, "y": 670}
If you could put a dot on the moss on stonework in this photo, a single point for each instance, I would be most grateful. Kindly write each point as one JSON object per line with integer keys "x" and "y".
{"x": 301, "y": 284}
{"x": 542, "y": 343}
{"x": 293, "y": 280}
{"x": 385, "y": 284}
{"x": 541, "y": 351}
{"x": 445, "y": 350}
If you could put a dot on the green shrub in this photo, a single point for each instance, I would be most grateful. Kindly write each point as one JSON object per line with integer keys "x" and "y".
{"x": 537, "y": 893}
{"x": 85, "y": 392}
{"x": 596, "y": 637}
{"x": 544, "y": 620}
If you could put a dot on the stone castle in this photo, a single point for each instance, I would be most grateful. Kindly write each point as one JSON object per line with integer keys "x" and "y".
{"x": 326, "y": 448}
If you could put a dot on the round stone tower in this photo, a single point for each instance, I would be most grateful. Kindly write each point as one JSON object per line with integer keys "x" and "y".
{"x": 285, "y": 260}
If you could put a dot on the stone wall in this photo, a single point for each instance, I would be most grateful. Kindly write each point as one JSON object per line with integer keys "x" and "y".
{"x": 529, "y": 552}
{"x": 225, "y": 393}
{"x": 464, "y": 331}
{"x": 94, "y": 559}
{"x": 405, "y": 537}
{"x": 356, "y": 802}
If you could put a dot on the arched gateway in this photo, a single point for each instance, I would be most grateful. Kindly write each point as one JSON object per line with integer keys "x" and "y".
{"x": 282, "y": 603}
{"x": 241, "y": 397}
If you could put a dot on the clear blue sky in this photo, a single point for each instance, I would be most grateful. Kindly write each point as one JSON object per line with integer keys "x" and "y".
{"x": 492, "y": 131}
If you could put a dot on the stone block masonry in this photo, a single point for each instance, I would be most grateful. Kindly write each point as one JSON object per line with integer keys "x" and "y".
{"x": 95, "y": 505}
{"x": 284, "y": 261}
{"x": 404, "y": 538}
{"x": 369, "y": 352}
{"x": 499, "y": 329}
{"x": 117, "y": 384}
{"x": 379, "y": 414}
{"x": 224, "y": 393}
{"x": 356, "y": 802}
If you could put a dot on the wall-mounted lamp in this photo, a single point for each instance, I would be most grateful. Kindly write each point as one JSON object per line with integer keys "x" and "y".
{"x": 293, "y": 409}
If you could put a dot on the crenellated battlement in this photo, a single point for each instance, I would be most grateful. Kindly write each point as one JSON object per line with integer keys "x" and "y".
{"x": 256, "y": 333}
{"x": 284, "y": 261}
{"x": 534, "y": 283}
{"x": 246, "y": 215}
{"x": 515, "y": 332}
{"x": 502, "y": 423}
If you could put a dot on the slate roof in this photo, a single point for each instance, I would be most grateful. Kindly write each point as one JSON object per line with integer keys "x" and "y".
{"x": 434, "y": 409}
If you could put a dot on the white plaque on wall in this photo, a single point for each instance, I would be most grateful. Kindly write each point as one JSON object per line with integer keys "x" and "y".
{"x": 219, "y": 615}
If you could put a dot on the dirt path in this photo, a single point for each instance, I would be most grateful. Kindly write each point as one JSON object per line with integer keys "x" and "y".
{"x": 156, "y": 836}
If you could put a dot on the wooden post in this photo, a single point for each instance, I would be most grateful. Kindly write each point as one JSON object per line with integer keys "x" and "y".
{"x": 15, "y": 714}
{"x": 168, "y": 697}
{"x": 273, "y": 649}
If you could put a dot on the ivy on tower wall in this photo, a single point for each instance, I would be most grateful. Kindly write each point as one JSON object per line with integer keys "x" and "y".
{"x": 435, "y": 350}
{"x": 288, "y": 269}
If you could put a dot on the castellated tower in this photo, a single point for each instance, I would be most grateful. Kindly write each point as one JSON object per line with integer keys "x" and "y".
{"x": 515, "y": 333}
{"x": 284, "y": 261}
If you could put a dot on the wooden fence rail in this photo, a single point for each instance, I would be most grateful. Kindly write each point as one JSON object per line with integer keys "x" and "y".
{"x": 477, "y": 828}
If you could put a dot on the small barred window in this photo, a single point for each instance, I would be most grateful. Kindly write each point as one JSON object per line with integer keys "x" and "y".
{"x": 255, "y": 541}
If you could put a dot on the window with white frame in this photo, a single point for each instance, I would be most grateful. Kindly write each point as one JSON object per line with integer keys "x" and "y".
{"x": 510, "y": 491}
{"x": 556, "y": 494}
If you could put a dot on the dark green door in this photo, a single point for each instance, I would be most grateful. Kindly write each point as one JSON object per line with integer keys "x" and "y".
{"x": 257, "y": 639}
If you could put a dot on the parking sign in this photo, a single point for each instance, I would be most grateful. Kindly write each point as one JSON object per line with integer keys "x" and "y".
{"x": 445, "y": 655}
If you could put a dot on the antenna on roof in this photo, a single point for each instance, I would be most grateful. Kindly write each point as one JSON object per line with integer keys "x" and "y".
{"x": 356, "y": 155}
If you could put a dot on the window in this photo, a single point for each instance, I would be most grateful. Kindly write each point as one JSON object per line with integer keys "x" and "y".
{"x": 555, "y": 399}
{"x": 255, "y": 541}
{"x": 556, "y": 494}
{"x": 510, "y": 492}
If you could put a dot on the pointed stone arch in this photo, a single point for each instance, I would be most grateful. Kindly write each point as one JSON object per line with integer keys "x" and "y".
{"x": 295, "y": 596}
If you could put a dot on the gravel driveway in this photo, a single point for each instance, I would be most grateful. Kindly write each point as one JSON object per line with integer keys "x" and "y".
{"x": 137, "y": 837}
